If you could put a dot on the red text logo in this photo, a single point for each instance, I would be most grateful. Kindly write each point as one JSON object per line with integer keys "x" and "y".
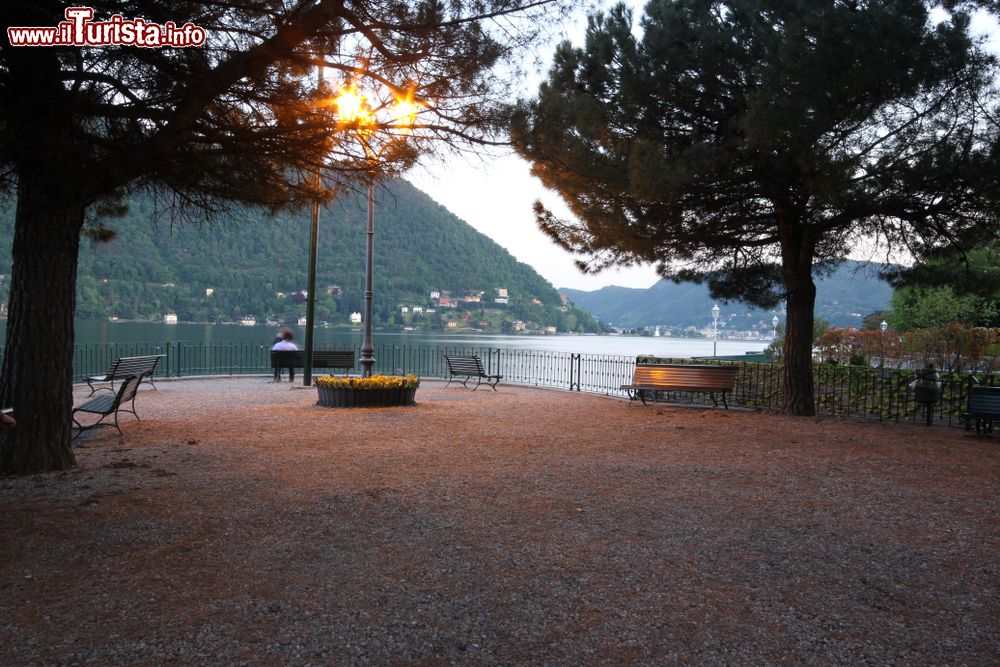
{"x": 79, "y": 29}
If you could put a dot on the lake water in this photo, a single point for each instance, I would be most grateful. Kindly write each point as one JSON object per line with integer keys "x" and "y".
{"x": 98, "y": 332}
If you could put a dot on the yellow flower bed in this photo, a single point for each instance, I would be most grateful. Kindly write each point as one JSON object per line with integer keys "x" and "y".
{"x": 373, "y": 382}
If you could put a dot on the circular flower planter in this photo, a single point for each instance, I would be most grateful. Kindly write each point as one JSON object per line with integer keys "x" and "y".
{"x": 351, "y": 397}
{"x": 349, "y": 392}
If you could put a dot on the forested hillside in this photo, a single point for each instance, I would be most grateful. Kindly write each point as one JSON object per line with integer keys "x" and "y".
{"x": 843, "y": 298}
{"x": 254, "y": 265}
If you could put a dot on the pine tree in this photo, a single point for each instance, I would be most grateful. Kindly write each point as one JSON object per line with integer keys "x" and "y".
{"x": 237, "y": 119}
{"x": 751, "y": 144}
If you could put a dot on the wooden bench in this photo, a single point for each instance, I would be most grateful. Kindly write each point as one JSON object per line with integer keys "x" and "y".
{"x": 654, "y": 378}
{"x": 109, "y": 404}
{"x": 984, "y": 407}
{"x": 469, "y": 367}
{"x": 343, "y": 359}
{"x": 124, "y": 367}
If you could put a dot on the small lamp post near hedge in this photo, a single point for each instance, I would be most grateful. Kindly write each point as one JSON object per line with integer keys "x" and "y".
{"x": 715, "y": 328}
{"x": 882, "y": 327}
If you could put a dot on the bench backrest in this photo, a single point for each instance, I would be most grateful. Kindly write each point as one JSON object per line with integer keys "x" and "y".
{"x": 128, "y": 390}
{"x": 685, "y": 377}
{"x": 985, "y": 400}
{"x": 463, "y": 365}
{"x": 332, "y": 358}
{"x": 321, "y": 358}
{"x": 123, "y": 367}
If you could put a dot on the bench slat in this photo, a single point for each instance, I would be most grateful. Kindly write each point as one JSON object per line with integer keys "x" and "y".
{"x": 98, "y": 405}
{"x": 682, "y": 377}
{"x": 985, "y": 400}
{"x": 719, "y": 378}
{"x": 984, "y": 407}
{"x": 463, "y": 366}
{"x": 321, "y": 359}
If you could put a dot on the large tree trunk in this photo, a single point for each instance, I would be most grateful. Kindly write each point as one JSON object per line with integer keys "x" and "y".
{"x": 38, "y": 359}
{"x": 43, "y": 140}
{"x": 800, "y": 300}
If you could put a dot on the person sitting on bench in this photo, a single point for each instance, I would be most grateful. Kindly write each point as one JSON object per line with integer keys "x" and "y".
{"x": 285, "y": 344}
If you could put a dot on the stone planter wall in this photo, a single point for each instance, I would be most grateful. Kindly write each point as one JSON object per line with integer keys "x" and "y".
{"x": 349, "y": 397}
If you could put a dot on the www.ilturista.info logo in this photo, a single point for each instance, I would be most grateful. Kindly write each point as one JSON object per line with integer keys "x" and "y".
{"x": 80, "y": 30}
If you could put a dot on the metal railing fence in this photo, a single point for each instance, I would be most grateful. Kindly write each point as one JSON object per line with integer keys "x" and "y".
{"x": 857, "y": 391}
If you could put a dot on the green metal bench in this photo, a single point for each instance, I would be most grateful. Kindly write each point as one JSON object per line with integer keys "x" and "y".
{"x": 124, "y": 367}
{"x": 651, "y": 379}
{"x": 106, "y": 405}
{"x": 469, "y": 367}
{"x": 984, "y": 407}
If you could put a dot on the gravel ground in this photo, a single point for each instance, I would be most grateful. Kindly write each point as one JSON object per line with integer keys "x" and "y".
{"x": 238, "y": 523}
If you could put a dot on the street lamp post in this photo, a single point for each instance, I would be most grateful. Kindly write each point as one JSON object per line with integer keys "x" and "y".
{"x": 883, "y": 326}
{"x": 715, "y": 328}
{"x": 367, "y": 344}
{"x": 353, "y": 109}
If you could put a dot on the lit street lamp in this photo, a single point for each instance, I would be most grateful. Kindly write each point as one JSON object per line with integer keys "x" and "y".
{"x": 355, "y": 113}
{"x": 715, "y": 328}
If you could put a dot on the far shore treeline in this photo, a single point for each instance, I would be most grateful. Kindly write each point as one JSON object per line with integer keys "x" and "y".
{"x": 251, "y": 265}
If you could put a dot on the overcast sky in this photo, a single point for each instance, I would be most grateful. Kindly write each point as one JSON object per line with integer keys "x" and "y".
{"x": 495, "y": 194}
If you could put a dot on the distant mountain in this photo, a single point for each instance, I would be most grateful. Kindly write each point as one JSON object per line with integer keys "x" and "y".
{"x": 843, "y": 298}
{"x": 254, "y": 265}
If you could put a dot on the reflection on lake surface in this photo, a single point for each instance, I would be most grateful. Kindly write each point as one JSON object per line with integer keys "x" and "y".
{"x": 91, "y": 332}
